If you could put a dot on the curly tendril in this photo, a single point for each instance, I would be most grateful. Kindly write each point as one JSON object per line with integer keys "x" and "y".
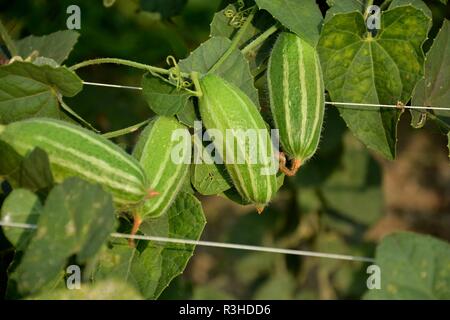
{"x": 175, "y": 74}
{"x": 238, "y": 17}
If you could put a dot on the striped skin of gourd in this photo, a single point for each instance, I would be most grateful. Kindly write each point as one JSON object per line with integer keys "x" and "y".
{"x": 297, "y": 98}
{"x": 75, "y": 151}
{"x": 153, "y": 150}
{"x": 223, "y": 106}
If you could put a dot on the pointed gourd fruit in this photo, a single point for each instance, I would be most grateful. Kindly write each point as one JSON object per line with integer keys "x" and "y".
{"x": 155, "y": 149}
{"x": 240, "y": 137}
{"x": 297, "y": 98}
{"x": 75, "y": 151}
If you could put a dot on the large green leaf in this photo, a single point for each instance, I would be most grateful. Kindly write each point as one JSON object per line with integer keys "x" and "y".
{"x": 235, "y": 69}
{"x": 151, "y": 266}
{"x": 382, "y": 69}
{"x": 77, "y": 219}
{"x": 21, "y": 206}
{"x": 162, "y": 97}
{"x": 434, "y": 89}
{"x": 301, "y": 17}
{"x": 56, "y": 46}
{"x": 412, "y": 266}
{"x": 103, "y": 290}
{"x": 29, "y": 90}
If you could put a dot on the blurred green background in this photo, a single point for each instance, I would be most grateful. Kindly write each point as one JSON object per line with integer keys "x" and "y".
{"x": 344, "y": 201}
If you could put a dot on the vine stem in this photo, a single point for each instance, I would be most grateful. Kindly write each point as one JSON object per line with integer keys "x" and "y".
{"x": 236, "y": 39}
{"x": 8, "y": 41}
{"x": 124, "y": 62}
{"x": 260, "y": 39}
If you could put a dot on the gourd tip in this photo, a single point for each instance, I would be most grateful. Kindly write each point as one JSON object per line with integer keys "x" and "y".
{"x": 152, "y": 193}
{"x": 260, "y": 209}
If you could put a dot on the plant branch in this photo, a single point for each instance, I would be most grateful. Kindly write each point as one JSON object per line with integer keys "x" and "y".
{"x": 234, "y": 44}
{"x": 260, "y": 39}
{"x": 8, "y": 41}
{"x": 124, "y": 62}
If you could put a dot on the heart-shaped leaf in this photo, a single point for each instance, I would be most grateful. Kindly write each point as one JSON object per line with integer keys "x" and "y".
{"x": 383, "y": 69}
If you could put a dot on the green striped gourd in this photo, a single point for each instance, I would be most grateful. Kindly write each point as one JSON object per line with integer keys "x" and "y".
{"x": 75, "y": 151}
{"x": 296, "y": 96}
{"x": 223, "y": 106}
{"x": 166, "y": 177}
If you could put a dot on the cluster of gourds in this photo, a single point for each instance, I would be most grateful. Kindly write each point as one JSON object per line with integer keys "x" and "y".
{"x": 147, "y": 182}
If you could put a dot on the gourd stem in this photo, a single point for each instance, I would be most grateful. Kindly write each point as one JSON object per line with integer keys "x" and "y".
{"x": 136, "y": 224}
{"x": 124, "y": 62}
{"x": 8, "y": 41}
{"x": 260, "y": 39}
{"x": 234, "y": 44}
{"x": 295, "y": 165}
